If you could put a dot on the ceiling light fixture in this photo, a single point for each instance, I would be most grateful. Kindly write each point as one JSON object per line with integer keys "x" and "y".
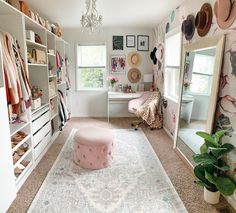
{"x": 91, "y": 19}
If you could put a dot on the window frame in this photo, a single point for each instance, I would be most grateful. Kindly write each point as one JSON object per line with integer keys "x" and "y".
{"x": 173, "y": 32}
{"x": 77, "y": 74}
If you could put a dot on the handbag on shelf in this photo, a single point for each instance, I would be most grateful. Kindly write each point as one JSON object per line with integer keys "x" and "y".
{"x": 14, "y": 3}
{"x": 48, "y": 25}
{"x": 42, "y": 21}
{"x": 38, "y": 39}
{"x": 24, "y": 8}
{"x": 52, "y": 88}
{"x": 58, "y": 30}
{"x": 39, "y": 56}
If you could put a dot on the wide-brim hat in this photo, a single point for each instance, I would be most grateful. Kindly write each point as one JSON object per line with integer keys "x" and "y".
{"x": 134, "y": 59}
{"x": 160, "y": 52}
{"x": 203, "y": 19}
{"x": 188, "y": 27}
{"x": 134, "y": 75}
{"x": 153, "y": 55}
{"x": 225, "y": 11}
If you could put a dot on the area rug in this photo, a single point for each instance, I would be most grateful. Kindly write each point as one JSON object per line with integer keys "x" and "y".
{"x": 135, "y": 182}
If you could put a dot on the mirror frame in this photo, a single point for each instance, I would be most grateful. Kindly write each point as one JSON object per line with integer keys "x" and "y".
{"x": 219, "y": 43}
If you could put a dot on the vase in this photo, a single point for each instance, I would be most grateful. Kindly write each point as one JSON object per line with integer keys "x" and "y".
{"x": 112, "y": 88}
{"x": 211, "y": 197}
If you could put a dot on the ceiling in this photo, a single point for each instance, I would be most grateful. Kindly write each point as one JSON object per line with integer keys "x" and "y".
{"x": 116, "y": 13}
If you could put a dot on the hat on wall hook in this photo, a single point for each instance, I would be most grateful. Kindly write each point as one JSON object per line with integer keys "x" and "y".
{"x": 225, "y": 11}
{"x": 203, "y": 20}
{"x": 188, "y": 27}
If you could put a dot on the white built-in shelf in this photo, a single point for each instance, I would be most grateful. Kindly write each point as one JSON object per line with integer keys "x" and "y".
{"x": 53, "y": 96}
{"x": 22, "y": 157}
{"x": 37, "y": 65}
{"x": 63, "y": 83}
{"x": 14, "y": 128}
{"x": 42, "y": 106}
{"x": 52, "y": 76}
{"x": 22, "y": 142}
{"x": 6, "y": 9}
{"x": 23, "y": 173}
{"x": 52, "y": 117}
{"x": 32, "y": 43}
{"x": 51, "y": 54}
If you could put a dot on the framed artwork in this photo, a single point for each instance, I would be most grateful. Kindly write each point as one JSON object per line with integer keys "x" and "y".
{"x": 118, "y": 43}
{"x": 118, "y": 63}
{"x": 143, "y": 43}
{"x": 130, "y": 41}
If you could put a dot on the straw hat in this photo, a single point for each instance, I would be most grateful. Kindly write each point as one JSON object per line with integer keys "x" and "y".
{"x": 134, "y": 59}
{"x": 134, "y": 75}
{"x": 204, "y": 19}
{"x": 225, "y": 11}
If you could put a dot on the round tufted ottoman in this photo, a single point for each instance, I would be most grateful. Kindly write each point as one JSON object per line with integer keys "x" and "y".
{"x": 93, "y": 148}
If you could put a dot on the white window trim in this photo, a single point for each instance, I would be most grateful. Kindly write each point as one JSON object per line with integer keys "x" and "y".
{"x": 82, "y": 89}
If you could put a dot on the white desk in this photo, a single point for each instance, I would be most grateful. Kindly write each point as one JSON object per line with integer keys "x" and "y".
{"x": 120, "y": 98}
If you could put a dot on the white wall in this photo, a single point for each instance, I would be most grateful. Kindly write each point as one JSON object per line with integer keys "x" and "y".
{"x": 94, "y": 103}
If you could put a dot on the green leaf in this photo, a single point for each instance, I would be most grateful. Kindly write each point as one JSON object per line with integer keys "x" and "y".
{"x": 222, "y": 168}
{"x": 216, "y": 151}
{"x": 203, "y": 148}
{"x": 208, "y": 138}
{"x": 225, "y": 185}
{"x": 228, "y": 148}
{"x": 199, "y": 172}
{"x": 219, "y": 135}
{"x": 204, "y": 159}
{"x": 210, "y": 177}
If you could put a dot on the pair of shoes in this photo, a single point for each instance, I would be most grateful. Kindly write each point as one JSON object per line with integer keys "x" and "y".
{"x": 16, "y": 157}
{"x": 20, "y": 168}
{"x": 18, "y": 137}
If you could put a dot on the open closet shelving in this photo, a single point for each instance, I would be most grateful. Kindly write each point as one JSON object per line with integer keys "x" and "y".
{"x": 43, "y": 127}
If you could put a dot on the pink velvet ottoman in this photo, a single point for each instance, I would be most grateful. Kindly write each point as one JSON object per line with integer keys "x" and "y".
{"x": 93, "y": 148}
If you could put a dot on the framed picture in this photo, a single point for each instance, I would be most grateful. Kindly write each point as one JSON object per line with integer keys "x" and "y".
{"x": 118, "y": 43}
{"x": 130, "y": 41}
{"x": 143, "y": 43}
{"x": 118, "y": 63}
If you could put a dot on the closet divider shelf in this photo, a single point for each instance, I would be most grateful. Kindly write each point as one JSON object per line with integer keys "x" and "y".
{"x": 14, "y": 128}
{"x": 31, "y": 43}
{"x": 53, "y": 116}
{"x": 52, "y": 76}
{"x": 38, "y": 109}
{"x": 23, "y": 173}
{"x": 22, "y": 158}
{"x": 37, "y": 65}
{"x": 53, "y": 96}
{"x": 51, "y": 54}
{"x": 21, "y": 143}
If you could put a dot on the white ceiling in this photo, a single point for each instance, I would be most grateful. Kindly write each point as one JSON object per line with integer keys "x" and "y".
{"x": 125, "y": 13}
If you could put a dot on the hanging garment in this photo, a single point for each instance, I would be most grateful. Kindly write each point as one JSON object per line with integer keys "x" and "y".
{"x": 62, "y": 109}
{"x": 16, "y": 78}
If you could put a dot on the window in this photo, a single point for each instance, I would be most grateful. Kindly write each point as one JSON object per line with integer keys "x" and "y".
{"x": 91, "y": 70}
{"x": 203, "y": 67}
{"x": 172, "y": 64}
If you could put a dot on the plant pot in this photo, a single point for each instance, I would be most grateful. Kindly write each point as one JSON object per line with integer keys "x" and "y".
{"x": 211, "y": 197}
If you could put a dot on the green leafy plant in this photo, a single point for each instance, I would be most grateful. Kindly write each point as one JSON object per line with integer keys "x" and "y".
{"x": 211, "y": 169}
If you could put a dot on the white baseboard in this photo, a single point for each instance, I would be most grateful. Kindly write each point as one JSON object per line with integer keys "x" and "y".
{"x": 231, "y": 201}
{"x": 168, "y": 133}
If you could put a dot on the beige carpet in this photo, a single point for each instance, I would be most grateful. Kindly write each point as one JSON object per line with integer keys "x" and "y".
{"x": 179, "y": 174}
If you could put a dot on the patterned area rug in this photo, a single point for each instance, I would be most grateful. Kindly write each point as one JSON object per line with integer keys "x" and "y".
{"x": 135, "y": 182}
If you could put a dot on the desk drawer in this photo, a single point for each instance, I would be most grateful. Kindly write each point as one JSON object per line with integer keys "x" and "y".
{"x": 41, "y": 133}
{"x": 40, "y": 121}
{"x": 42, "y": 145}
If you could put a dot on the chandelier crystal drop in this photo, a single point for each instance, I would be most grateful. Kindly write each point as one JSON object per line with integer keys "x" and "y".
{"x": 91, "y": 20}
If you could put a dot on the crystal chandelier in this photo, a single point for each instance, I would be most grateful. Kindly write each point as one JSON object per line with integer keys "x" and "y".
{"x": 91, "y": 19}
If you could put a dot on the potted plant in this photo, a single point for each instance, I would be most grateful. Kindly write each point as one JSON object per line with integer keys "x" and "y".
{"x": 187, "y": 84}
{"x": 211, "y": 169}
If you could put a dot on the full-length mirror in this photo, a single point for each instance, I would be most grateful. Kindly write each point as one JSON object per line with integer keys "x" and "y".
{"x": 199, "y": 81}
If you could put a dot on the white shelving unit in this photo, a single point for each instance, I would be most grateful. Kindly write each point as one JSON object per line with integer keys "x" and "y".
{"x": 43, "y": 126}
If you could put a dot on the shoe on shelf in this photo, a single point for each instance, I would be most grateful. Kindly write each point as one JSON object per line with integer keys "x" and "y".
{"x": 25, "y": 163}
{"x": 18, "y": 171}
{"x": 16, "y": 157}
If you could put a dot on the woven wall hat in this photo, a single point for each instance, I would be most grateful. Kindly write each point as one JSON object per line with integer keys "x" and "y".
{"x": 204, "y": 20}
{"x": 134, "y": 59}
{"x": 225, "y": 11}
{"x": 134, "y": 75}
{"x": 188, "y": 27}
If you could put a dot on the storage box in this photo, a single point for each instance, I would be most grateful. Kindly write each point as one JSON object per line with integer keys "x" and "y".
{"x": 30, "y": 35}
{"x": 36, "y": 103}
